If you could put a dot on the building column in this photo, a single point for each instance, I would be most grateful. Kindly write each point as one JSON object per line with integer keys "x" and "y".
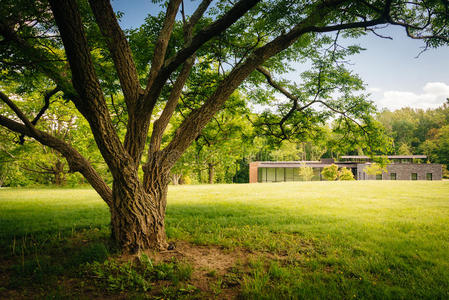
{"x": 253, "y": 168}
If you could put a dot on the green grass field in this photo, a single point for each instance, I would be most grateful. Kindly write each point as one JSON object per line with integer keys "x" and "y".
{"x": 304, "y": 240}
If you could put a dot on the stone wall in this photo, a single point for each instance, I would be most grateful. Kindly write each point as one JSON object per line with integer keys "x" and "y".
{"x": 404, "y": 172}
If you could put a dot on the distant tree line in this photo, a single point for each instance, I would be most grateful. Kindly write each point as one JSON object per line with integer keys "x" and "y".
{"x": 419, "y": 131}
{"x": 223, "y": 151}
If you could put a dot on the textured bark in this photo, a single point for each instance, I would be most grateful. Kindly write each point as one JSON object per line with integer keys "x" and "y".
{"x": 59, "y": 173}
{"x": 160, "y": 124}
{"x": 138, "y": 128}
{"x": 176, "y": 178}
{"x": 138, "y": 211}
{"x": 91, "y": 102}
{"x": 137, "y": 217}
{"x": 120, "y": 50}
{"x": 211, "y": 173}
{"x": 162, "y": 42}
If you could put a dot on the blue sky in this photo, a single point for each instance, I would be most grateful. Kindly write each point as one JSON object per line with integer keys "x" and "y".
{"x": 394, "y": 76}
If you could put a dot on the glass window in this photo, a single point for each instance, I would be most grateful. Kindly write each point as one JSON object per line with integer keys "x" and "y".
{"x": 289, "y": 174}
{"x": 429, "y": 176}
{"x": 280, "y": 174}
{"x": 378, "y": 176}
{"x": 414, "y": 176}
{"x": 392, "y": 176}
{"x": 316, "y": 174}
{"x": 296, "y": 176}
{"x": 271, "y": 174}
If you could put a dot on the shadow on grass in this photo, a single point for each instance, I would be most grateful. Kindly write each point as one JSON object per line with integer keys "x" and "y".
{"x": 341, "y": 256}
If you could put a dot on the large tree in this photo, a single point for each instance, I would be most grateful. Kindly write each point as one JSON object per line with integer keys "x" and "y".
{"x": 80, "y": 49}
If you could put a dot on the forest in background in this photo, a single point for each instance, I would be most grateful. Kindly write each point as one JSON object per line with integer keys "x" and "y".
{"x": 222, "y": 153}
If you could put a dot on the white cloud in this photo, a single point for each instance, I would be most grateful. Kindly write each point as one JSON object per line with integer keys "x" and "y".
{"x": 434, "y": 94}
{"x": 437, "y": 88}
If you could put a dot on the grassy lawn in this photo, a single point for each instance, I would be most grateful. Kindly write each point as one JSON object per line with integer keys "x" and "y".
{"x": 283, "y": 241}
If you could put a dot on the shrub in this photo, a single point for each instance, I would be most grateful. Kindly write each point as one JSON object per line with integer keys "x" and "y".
{"x": 345, "y": 174}
{"x": 374, "y": 169}
{"x": 330, "y": 173}
{"x": 306, "y": 173}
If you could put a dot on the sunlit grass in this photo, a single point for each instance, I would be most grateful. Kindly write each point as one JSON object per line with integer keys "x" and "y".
{"x": 338, "y": 239}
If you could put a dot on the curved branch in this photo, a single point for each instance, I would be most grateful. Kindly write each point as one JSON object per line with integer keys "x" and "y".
{"x": 195, "y": 122}
{"x": 203, "y": 36}
{"x": 39, "y": 57}
{"x": 76, "y": 161}
{"x": 290, "y": 96}
{"x": 91, "y": 102}
{"x": 18, "y": 112}
{"x": 41, "y": 112}
{"x": 161, "y": 124}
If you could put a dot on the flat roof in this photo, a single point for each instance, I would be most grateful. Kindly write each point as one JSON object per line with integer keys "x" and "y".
{"x": 296, "y": 164}
{"x": 291, "y": 162}
{"x": 388, "y": 156}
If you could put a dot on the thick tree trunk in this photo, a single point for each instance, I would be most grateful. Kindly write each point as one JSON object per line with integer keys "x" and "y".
{"x": 200, "y": 175}
{"x": 59, "y": 173}
{"x": 176, "y": 178}
{"x": 138, "y": 214}
{"x": 57, "y": 180}
{"x": 211, "y": 173}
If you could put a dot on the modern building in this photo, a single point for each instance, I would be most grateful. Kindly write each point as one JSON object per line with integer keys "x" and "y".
{"x": 401, "y": 167}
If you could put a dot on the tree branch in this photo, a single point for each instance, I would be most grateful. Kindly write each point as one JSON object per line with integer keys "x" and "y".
{"x": 39, "y": 55}
{"x": 290, "y": 96}
{"x": 139, "y": 120}
{"x": 195, "y": 122}
{"x": 196, "y": 16}
{"x": 76, "y": 161}
{"x": 162, "y": 42}
{"x": 119, "y": 48}
{"x": 41, "y": 112}
{"x": 36, "y": 171}
{"x": 139, "y": 124}
{"x": 198, "y": 40}
{"x": 161, "y": 124}
{"x": 91, "y": 102}
{"x": 17, "y": 111}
